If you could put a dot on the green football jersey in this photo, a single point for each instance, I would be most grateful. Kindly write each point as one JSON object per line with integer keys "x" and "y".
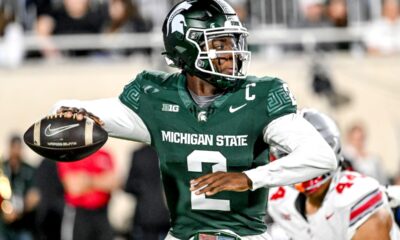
{"x": 192, "y": 141}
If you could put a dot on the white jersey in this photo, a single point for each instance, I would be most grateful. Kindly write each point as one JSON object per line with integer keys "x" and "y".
{"x": 349, "y": 202}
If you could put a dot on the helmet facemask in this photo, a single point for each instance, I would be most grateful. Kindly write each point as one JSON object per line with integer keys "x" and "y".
{"x": 222, "y": 57}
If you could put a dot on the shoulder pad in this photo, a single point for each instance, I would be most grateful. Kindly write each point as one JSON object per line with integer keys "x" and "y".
{"x": 260, "y": 79}
{"x": 154, "y": 76}
{"x": 352, "y": 188}
{"x": 275, "y": 93}
{"x": 146, "y": 82}
{"x": 280, "y": 100}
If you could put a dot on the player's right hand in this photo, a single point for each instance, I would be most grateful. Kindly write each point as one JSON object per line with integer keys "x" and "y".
{"x": 216, "y": 182}
{"x": 79, "y": 113}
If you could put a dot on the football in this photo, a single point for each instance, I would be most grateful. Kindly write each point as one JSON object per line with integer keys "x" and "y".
{"x": 65, "y": 139}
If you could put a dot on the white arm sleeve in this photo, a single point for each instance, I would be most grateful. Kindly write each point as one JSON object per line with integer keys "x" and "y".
{"x": 119, "y": 120}
{"x": 309, "y": 154}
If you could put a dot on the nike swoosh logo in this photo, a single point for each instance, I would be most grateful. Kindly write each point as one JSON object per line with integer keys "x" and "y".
{"x": 48, "y": 132}
{"x": 232, "y": 109}
{"x": 329, "y": 216}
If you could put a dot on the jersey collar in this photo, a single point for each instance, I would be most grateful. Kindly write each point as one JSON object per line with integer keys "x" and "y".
{"x": 187, "y": 99}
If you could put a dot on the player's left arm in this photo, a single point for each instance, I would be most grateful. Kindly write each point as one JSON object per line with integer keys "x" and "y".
{"x": 377, "y": 226}
{"x": 309, "y": 154}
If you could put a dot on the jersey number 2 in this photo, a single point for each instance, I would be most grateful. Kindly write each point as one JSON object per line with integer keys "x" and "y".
{"x": 194, "y": 161}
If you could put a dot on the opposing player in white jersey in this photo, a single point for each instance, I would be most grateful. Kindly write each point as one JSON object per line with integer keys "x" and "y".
{"x": 339, "y": 205}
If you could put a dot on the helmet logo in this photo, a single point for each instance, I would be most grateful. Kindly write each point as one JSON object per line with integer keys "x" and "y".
{"x": 177, "y": 24}
{"x": 175, "y": 19}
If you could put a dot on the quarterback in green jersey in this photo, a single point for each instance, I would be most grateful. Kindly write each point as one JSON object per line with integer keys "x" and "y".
{"x": 212, "y": 126}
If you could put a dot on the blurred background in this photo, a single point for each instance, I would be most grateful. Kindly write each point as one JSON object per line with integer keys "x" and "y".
{"x": 339, "y": 56}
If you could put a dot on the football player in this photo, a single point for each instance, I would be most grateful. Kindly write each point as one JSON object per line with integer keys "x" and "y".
{"x": 211, "y": 125}
{"x": 336, "y": 205}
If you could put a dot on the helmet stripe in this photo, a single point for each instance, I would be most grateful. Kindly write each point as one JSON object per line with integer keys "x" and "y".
{"x": 225, "y": 7}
